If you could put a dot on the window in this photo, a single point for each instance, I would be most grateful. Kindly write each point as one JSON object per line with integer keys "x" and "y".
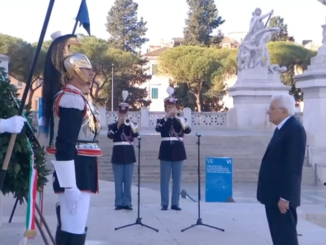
{"x": 154, "y": 69}
{"x": 154, "y": 93}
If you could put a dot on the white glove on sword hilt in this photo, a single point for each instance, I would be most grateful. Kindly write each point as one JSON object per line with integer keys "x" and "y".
{"x": 72, "y": 197}
{"x": 13, "y": 125}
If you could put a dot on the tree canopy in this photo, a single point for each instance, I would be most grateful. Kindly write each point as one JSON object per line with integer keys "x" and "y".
{"x": 197, "y": 70}
{"x": 21, "y": 55}
{"x": 199, "y": 73}
{"x": 294, "y": 57}
{"x": 126, "y": 31}
{"x": 283, "y": 35}
{"x": 202, "y": 20}
{"x": 128, "y": 73}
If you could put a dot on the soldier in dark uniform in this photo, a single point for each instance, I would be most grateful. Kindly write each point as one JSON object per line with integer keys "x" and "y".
{"x": 123, "y": 158}
{"x": 73, "y": 122}
{"x": 172, "y": 151}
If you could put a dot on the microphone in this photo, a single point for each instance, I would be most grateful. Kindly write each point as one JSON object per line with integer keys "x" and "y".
{"x": 198, "y": 135}
{"x": 139, "y": 138}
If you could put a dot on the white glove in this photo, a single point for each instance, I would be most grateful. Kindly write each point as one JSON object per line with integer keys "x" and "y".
{"x": 13, "y": 125}
{"x": 72, "y": 197}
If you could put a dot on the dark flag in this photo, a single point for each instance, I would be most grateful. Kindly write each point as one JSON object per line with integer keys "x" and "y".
{"x": 83, "y": 17}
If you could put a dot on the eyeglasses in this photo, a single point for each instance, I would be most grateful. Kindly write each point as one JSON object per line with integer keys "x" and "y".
{"x": 275, "y": 108}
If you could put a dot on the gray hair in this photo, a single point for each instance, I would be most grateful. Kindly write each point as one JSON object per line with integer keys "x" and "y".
{"x": 286, "y": 102}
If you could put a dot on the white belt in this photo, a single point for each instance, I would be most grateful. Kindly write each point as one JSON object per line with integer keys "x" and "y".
{"x": 89, "y": 146}
{"x": 172, "y": 139}
{"x": 123, "y": 143}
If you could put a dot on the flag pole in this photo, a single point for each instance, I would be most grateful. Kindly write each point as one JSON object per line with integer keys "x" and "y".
{"x": 76, "y": 23}
{"x": 28, "y": 84}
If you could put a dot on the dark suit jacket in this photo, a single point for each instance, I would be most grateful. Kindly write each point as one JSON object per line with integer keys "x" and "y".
{"x": 281, "y": 168}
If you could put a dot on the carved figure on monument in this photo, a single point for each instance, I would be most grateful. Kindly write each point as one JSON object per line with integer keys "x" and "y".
{"x": 246, "y": 58}
{"x": 276, "y": 69}
{"x": 324, "y": 26}
{"x": 256, "y": 22}
{"x": 253, "y": 51}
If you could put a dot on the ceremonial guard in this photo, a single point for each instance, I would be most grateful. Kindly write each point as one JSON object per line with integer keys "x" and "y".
{"x": 73, "y": 122}
{"x": 13, "y": 125}
{"x": 172, "y": 151}
{"x": 123, "y": 158}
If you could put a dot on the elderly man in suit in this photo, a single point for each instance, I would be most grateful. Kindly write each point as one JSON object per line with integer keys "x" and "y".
{"x": 279, "y": 184}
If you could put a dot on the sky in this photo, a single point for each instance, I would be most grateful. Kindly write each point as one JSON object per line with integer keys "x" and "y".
{"x": 165, "y": 18}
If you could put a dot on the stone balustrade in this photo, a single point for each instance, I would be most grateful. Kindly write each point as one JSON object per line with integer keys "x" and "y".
{"x": 147, "y": 119}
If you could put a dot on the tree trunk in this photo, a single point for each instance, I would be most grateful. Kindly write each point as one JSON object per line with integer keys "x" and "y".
{"x": 197, "y": 93}
{"x": 30, "y": 96}
{"x": 198, "y": 102}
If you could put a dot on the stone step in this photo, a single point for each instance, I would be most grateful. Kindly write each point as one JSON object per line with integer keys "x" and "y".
{"x": 250, "y": 175}
{"x": 246, "y": 152}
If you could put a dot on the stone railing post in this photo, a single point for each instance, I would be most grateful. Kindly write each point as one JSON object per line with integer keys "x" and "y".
{"x": 103, "y": 117}
{"x": 187, "y": 114}
{"x": 144, "y": 117}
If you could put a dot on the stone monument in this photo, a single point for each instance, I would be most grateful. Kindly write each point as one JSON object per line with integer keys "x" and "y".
{"x": 313, "y": 83}
{"x": 258, "y": 79}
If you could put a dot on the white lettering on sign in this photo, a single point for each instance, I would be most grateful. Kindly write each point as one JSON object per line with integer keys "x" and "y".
{"x": 217, "y": 169}
{"x": 209, "y": 160}
{"x": 229, "y": 161}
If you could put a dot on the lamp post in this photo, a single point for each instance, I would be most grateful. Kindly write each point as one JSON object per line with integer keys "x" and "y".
{"x": 112, "y": 89}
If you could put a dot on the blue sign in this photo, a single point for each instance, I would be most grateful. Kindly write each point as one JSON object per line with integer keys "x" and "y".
{"x": 219, "y": 179}
{"x": 40, "y": 116}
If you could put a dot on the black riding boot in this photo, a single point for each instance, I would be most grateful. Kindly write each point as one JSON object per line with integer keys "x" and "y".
{"x": 61, "y": 237}
{"x": 78, "y": 239}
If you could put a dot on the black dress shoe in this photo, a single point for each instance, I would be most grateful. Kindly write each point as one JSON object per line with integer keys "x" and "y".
{"x": 164, "y": 207}
{"x": 129, "y": 207}
{"x": 175, "y": 207}
{"x": 119, "y": 207}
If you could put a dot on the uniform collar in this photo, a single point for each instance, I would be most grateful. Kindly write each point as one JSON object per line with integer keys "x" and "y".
{"x": 69, "y": 86}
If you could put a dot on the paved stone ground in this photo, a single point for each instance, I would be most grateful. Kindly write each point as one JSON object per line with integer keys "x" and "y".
{"x": 244, "y": 223}
{"x": 246, "y": 192}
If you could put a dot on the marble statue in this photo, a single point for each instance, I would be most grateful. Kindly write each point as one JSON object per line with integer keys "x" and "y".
{"x": 253, "y": 51}
{"x": 324, "y": 27}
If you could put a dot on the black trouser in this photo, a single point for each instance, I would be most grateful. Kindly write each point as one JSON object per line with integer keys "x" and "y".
{"x": 282, "y": 226}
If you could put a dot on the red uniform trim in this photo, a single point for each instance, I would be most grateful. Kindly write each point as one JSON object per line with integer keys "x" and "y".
{"x": 57, "y": 102}
{"x": 83, "y": 152}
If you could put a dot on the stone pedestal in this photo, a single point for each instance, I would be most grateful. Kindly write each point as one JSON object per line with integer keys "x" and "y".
{"x": 313, "y": 83}
{"x": 252, "y": 96}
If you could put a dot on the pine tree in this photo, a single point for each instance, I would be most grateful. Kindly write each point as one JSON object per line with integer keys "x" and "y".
{"x": 17, "y": 176}
{"x": 127, "y": 33}
{"x": 202, "y": 20}
{"x": 283, "y": 35}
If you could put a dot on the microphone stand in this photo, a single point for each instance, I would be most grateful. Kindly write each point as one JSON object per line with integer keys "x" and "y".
{"x": 199, "y": 220}
{"x": 138, "y": 220}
